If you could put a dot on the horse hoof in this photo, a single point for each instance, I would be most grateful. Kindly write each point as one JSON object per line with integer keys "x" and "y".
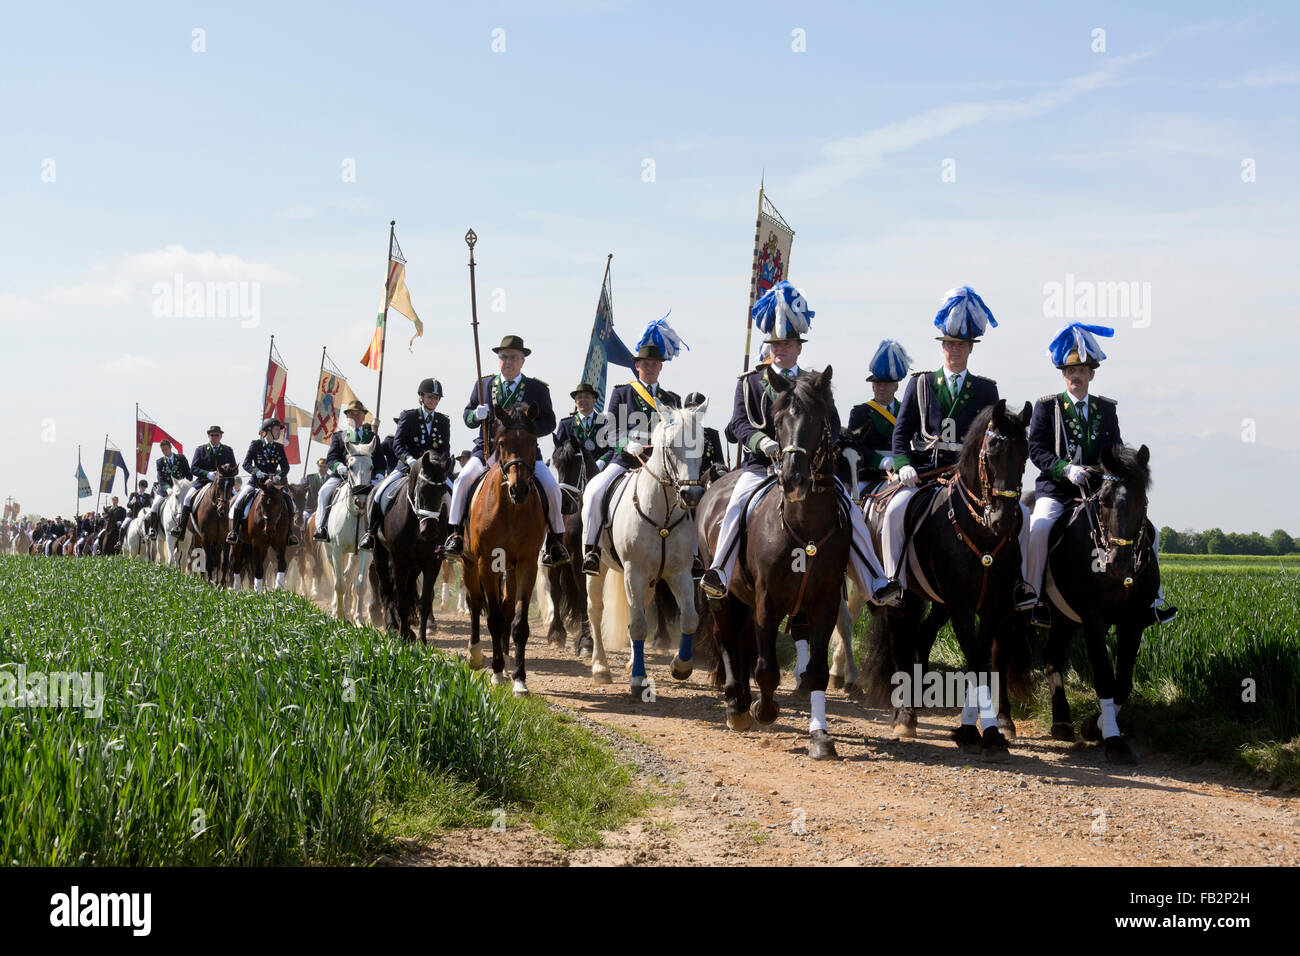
{"x": 1091, "y": 729}
{"x": 475, "y": 658}
{"x": 1063, "y": 730}
{"x": 642, "y": 688}
{"x": 521, "y": 689}
{"x": 680, "y": 669}
{"x": 821, "y": 746}
{"x": 765, "y": 715}
{"x": 801, "y": 691}
{"x": 740, "y": 722}
{"x": 601, "y": 675}
{"x": 837, "y": 682}
{"x": 1008, "y": 727}
{"x": 1117, "y": 751}
{"x": 903, "y": 731}
{"x": 854, "y": 691}
{"x": 994, "y": 746}
{"x": 968, "y": 739}
{"x": 498, "y": 679}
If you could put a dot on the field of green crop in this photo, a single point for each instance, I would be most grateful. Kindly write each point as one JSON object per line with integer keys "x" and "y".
{"x": 252, "y": 729}
{"x": 1222, "y": 680}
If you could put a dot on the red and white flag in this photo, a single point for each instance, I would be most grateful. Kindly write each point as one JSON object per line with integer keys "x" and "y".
{"x": 147, "y": 434}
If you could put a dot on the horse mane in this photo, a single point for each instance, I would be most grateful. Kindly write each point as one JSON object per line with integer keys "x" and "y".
{"x": 1127, "y": 466}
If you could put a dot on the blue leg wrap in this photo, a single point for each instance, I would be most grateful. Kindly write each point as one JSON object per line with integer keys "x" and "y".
{"x": 687, "y": 648}
{"x": 638, "y": 658}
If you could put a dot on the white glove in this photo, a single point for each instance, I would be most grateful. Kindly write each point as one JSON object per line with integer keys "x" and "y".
{"x": 634, "y": 448}
{"x": 908, "y": 476}
{"x": 481, "y": 413}
{"x": 600, "y": 465}
{"x": 1076, "y": 474}
{"x": 887, "y": 463}
{"x": 768, "y": 446}
{"x": 411, "y": 461}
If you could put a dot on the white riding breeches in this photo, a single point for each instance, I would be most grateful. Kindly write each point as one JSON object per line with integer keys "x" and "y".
{"x": 864, "y": 564}
{"x": 1046, "y": 511}
{"x": 244, "y": 492}
{"x": 725, "y": 551}
{"x": 473, "y": 468}
{"x": 591, "y": 498}
{"x": 323, "y": 498}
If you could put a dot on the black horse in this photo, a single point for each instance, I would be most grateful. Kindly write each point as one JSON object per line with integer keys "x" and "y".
{"x": 574, "y": 465}
{"x": 409, "y": 543}
{"x": 1102, "y": 571}
{"x": 965, "y": 545}
{"x": 793, "y": 556}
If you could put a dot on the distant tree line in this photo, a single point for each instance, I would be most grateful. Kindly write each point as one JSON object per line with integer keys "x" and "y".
{"x": 1217, "y": 541}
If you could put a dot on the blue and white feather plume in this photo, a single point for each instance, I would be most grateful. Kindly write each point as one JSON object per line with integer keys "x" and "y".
{"x": 1078, "y": 337}
{"x": 662, "y": 335}
{"x": 782, "y": 312}
{"x": 963, "y": 314}
{"x": 890, "y": 363}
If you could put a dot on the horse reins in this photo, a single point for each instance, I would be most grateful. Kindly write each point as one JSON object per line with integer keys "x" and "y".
{"x": 988, "y": 495}
{"x": 816, "y": 462}
{"x": 670, "y": 505}
{"x": 1102, "y": 539}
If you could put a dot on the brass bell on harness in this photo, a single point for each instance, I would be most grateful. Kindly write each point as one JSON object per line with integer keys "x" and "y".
{"x": 986, "y": 560}
{"x": 1128, "y": 582}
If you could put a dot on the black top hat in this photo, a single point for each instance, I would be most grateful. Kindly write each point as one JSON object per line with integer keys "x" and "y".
{"x": 584, "y": 387}
{"x": 513, "y": 342}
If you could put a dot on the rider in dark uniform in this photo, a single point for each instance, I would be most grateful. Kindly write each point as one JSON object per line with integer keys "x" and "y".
{"x": 170, "y": 468}
{"x": 419, "y": 430}
{"x": 264, "y": 459}
{"x": 871, "y": 425}
{"x": 203, "y": 465}
{"x": 356, "y": 431}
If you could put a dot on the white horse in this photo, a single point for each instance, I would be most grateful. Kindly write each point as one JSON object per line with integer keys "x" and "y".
{"x": 174, "y": 551}
{"x": 134, "y": 542}
{"x": 350, "y": 566}
{"x": 652, "y": 531}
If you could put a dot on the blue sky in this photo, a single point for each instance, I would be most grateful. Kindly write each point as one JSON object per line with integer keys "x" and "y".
{"x": 1115, "y": 166}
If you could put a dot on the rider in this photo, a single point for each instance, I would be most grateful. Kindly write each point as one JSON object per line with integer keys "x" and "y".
{"x": 207, "y": 459}
{"x": 314, "y": 481}
{"x": 170, "y": 468}
{"x": 1066, "y": 434}
{"x": 783, "y": 314}
{"x": 871, "y": 424}
{"x": 138, "y": 501}
{"x": 714, "y": 456}
{"x": 585, "y": 426}
{"x": 630, "y": 420}
{"x": 264, "y": 459}
{"x": 419, "y": 429}
{"x": 938, "y": 409}
{"x": 509, "y": 387}
{"x": 336, "y": 461}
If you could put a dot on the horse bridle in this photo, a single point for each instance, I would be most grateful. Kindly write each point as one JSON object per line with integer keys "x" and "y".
{"x": 817, "y": 459}
{"x": 670, "y": 502}
{"x": 413, "y": 495}
{"x": 1101, "y": 537}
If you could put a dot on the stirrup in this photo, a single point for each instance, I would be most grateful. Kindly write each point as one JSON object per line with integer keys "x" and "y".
{"x": 232, "y": 537}
{"x": 321, "y": 534}
{"x": 1042, "y": 615}
{"x": 1164, "y": 614}
{"x": 1025, "y": 597}
{"x": 367, "y": 542}
{"x": 555, "y": 556}
{"x": 591, "y": 561}
{"x": 890, "y": 594}
{"x": 713, "y": 585}
{"x": 454, "y": 545}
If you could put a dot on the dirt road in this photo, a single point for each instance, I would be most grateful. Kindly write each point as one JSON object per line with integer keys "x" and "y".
{"x": 756, "y": 797}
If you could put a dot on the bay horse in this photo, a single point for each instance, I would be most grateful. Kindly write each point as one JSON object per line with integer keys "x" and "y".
{"x": 964, "y": 557}
{"x": 574, "y": 465}
{"x": 267, "y": 526}
{"x": 1102, "y": 572}
{"x": 409, "y": 544}
{"x": 650, "y": 538}
{"x": 794, "y": 552}
{"x": 506, "y": 529}
{"x": 208, "y": 515}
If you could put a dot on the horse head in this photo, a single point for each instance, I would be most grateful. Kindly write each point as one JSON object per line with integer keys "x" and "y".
{"x": 678, "y": 442}
{"x": 428, "y": 486}
{"x": 992, "y": 464}
{"x": 515, "y": 445}
{"x": 225, "y": 483}
{"x": 1124, "y": 479}
{"x": 360, "y": 464}
{"x": 801, "y": 414}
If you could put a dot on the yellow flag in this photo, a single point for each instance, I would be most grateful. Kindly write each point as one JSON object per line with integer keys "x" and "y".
{"x": 399, "y": 297}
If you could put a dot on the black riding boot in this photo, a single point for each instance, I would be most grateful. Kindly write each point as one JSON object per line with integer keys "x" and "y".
{"x": 322, "y": 533}
{"x": 455, "y": 545}
{"x": 591, "y": 560}
{"x": 367, "y": 541}
{"x": 554, "y": 552}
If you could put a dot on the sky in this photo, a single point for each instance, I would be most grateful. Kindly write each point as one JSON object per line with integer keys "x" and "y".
{"x": 1016, "y": 148}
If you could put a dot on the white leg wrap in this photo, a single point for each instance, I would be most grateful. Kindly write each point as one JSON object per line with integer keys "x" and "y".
{"x": 1046, "y": 511}
{"x": 235, "y": 579}
{"x": 551, "y": 488}
{"x": 971, "y": 710}
{"x": 801, "y": 657}
{"x": 279, "y": 580}
{"x": 460, "y": 490}
{"x": 591, "y": 498}
{"x": 1109, "y": 726}
{"x": 892, "y": 537}
{"x": 988, "y": 707}
{"x": 818, "y": 719}
{"x": 745, "y": 485}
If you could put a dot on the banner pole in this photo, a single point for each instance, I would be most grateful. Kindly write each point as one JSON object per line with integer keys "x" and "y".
{"x": 137, "y": 451}
{"x": 470, "y": 239}
{"x": 383, "y": 341}
{"x": 80, "y": 469}
{"x": 306, "y": 457}
{"x": 270, "y": 351}
{"x": 99, "y": 500}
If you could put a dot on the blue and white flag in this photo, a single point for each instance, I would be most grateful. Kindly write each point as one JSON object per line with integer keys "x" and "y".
{"x": 605, "y": 347}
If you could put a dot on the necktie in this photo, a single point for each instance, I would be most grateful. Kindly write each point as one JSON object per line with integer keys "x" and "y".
{"x": 1082, "y": 409}
{"x": 788, "y": 373}
{"x": 953, "y": 384}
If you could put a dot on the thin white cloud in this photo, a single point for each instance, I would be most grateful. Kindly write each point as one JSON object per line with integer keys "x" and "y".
{"x": 127, "y": 364}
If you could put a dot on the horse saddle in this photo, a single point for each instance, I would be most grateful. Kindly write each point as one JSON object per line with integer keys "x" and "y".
{"x": 389, "y": 494}
{"x": 478, "y": 484}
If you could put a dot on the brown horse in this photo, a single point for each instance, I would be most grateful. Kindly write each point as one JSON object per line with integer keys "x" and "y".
{"x": 210, "y": 507}
{"x": 505, "y": 533}
{"x": 266, "y": 528}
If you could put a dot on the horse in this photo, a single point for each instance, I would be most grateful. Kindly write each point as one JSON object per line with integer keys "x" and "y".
{"x": 348, "y": 564}
{"x": 109, "y": 540}
{"x": 650, "y": 538}
{"x": 409, "y": 544}
{"x": 574, "y": 464}
{"x": 965, "y": 558}
{"x": 1102, "y": 572}
{"x": 506, "y": 529}
{"x": 22, "y": 542}
{"x": 267, "y": 525}
{"x": 794, "y": 554}
{"x": 171, "y": 550}
{"x": 210, "y": 507}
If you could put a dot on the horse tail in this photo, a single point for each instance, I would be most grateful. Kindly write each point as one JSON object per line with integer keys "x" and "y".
{"x": 617, "y": 619}
{"x": 1014, "y": 654}
{"x": 878, "y": 665}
